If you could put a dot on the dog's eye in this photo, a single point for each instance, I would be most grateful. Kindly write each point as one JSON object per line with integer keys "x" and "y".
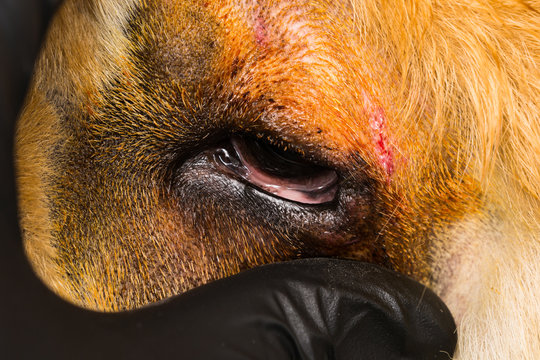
{"x": 281, "y": 173}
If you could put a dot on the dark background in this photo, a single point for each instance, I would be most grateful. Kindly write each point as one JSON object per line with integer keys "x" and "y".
{"x": 22, "y": 26}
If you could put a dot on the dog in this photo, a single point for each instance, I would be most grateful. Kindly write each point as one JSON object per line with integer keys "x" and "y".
{"x": 165, "y": 144}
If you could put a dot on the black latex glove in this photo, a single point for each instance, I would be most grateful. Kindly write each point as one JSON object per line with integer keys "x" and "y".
{"x": 312, "y": 309}
{"x": 305, "y": 309}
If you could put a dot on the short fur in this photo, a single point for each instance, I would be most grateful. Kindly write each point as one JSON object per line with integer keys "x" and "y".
{"x": 428, "y": 110}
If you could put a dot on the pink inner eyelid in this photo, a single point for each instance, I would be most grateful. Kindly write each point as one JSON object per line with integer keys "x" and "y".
{"x": 311, "y": 189}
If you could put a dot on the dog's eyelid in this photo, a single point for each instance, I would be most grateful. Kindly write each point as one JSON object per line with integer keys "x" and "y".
{"x": 310, "y": 185}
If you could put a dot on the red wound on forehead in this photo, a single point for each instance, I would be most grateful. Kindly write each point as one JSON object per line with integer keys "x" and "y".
{"x": 385, "y": 155}
{"x": 261, "y": 32}
{"x": 379, "y": 134}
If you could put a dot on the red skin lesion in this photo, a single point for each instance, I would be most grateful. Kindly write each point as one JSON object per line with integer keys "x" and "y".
{"x": 261, "y": 32}
{"x": 385, "y": 154}
{"x": 379, "y": 134}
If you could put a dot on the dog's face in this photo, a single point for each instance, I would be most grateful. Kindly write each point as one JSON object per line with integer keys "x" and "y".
{"x": 168, "y": 143}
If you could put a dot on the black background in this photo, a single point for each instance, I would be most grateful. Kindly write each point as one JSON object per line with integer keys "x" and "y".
{"x": 22, "y": 25}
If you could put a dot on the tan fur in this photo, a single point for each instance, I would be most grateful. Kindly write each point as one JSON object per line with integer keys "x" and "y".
{"x": 459, "y": 84}
{"x": 32, "y": 198}
{"x": 37, "y": 131}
